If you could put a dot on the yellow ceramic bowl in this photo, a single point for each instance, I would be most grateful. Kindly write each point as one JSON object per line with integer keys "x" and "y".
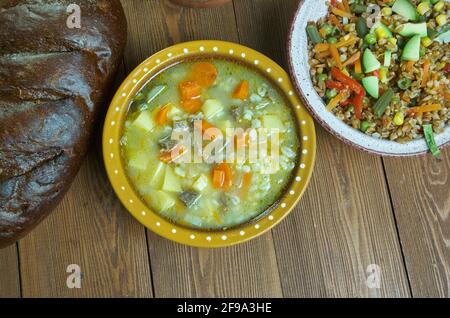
{"x": 129, "y": 197}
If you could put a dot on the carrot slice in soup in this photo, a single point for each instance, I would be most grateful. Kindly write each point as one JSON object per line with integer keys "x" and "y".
{"x": 204, "y": 74}
{"x": 218, "y": 178}
{"x": 209, "y": 133}
{"x": 190, "y": 90}
{"x": 192, "y": 105}
{"x": 161, "y": 117}
{"x": 246, "y": 181}
{"x": 242, "y": 90}
{"x": 222, "y": 176}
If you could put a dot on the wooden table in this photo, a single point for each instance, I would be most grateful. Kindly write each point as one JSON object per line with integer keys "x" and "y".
{"x": 358, "y": 209}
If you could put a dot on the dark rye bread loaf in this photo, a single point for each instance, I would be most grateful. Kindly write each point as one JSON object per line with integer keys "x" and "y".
{"x": 53, "y": 80}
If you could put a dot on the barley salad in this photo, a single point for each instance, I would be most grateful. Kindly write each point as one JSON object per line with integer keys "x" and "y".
{"x": 383, "y": 66}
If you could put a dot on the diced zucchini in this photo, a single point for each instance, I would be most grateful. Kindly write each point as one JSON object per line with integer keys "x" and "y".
{"x": 138, "y": 160}
{"x": 224, "y": 124}
{"x": 144, "y": 121}
{"x": 171, "y": 181}
{"x": 157, "y": 175}
{"x": 272, "y": 122}
{"x": 201, "y": 183}
{"x": 370, "y": 61}
{"x": 410, "y": 29}
{"x": 385, "y": 30}
{"x": 371, "y": 85}
{"x": 160, "y": 200}
{"x": 211, "y": 108}
{"x": 406, "y": 9}
{"x": 411, "y": 51}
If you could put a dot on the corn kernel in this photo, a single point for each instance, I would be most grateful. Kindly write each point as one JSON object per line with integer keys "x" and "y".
{"x": 439, "y": 6}
{"x": 399, "y": 118}
{"x": 423, "y": 8}
{"x": 426, "y": 41}
{"x": 441, "y": 19}
{"x": 393, "y": 41}
{"x": 381, "y": 33}
{"x": 386, "y": 11}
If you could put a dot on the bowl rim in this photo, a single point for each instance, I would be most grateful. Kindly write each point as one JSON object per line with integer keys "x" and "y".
{"x": 128, "y": 196}
{"x": 319, "y": 118}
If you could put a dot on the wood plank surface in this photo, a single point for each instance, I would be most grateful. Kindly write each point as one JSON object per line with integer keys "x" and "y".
{"x": 248, "y": 270}
{"x": 89, "y": 228}
{"x": 9, "y": 272}
{"x": 420, "y": 189}
{"x": 358, "y": 209}
{"x": 344, "y": 222}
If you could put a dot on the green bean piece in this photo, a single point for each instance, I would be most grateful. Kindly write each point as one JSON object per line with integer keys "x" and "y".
{"x": 358, "y": 8}
{"x": 383, "y": 102}
{"x": 313, "y": 34}
{"x": 429, "y": 137}
{"x": 361, "y": 27}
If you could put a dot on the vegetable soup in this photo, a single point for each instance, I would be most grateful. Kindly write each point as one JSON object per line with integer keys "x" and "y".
{"x": 212, "y": 95}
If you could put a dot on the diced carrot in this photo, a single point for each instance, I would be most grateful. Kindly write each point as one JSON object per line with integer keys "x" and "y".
{"x": 336, "y": 57}
{"x": 242, "y": 90}
{"x": 322, "y": 55}
{"x": 409, "y": 66}
{"x": 161, "y": 117}
{"x": 218, "y": 179}
{"x": 426, "y": 73}
{"x": 209, "y": 133}
{"x": 447, "y": 95}
{"x": 335, "y": 21}
{"x": 192, "y": 105}
{"x": 352, "y": 59}
{"x": 321, "y": 47}
{"x": 222, "y": 176}
{"x": 172, "y": 155}
{"x": 245, "y": 185}
{"x": 190, "y": 90}
{"x": 423, "y": 109}
{"x": 358, "y": 68}
{"x": 203, "y": 73}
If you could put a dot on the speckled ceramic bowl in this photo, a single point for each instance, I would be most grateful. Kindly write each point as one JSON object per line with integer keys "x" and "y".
{"x": 116, "y": 116}
{"x": 313, "y": 10}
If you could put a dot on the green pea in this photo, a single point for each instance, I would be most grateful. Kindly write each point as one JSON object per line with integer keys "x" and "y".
{"x": 330, "y": 93}
{"x": 364, "y": 125}
{"x": 327, "y": 28}
{"x": 322, "y": 77}
{"x": 370, "y": 38}
{"x": 422, "y": 51}
{"x": 332, "y": 40}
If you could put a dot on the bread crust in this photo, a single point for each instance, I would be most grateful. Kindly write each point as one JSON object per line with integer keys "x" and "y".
{"x": 53, "y": 82}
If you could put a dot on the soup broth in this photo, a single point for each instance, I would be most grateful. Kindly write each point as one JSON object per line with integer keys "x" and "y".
{"x": 220, "y": 94}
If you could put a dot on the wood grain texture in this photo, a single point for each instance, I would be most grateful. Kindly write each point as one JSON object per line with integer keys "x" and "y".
{"x": 9, "y": 273}
{"x": 344, "y": 222}
{"x": 248, "y": 270}
{"x": 420, "y": 189}
{"x": 89, "y": 228}
{"x": 92, "y": 229}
